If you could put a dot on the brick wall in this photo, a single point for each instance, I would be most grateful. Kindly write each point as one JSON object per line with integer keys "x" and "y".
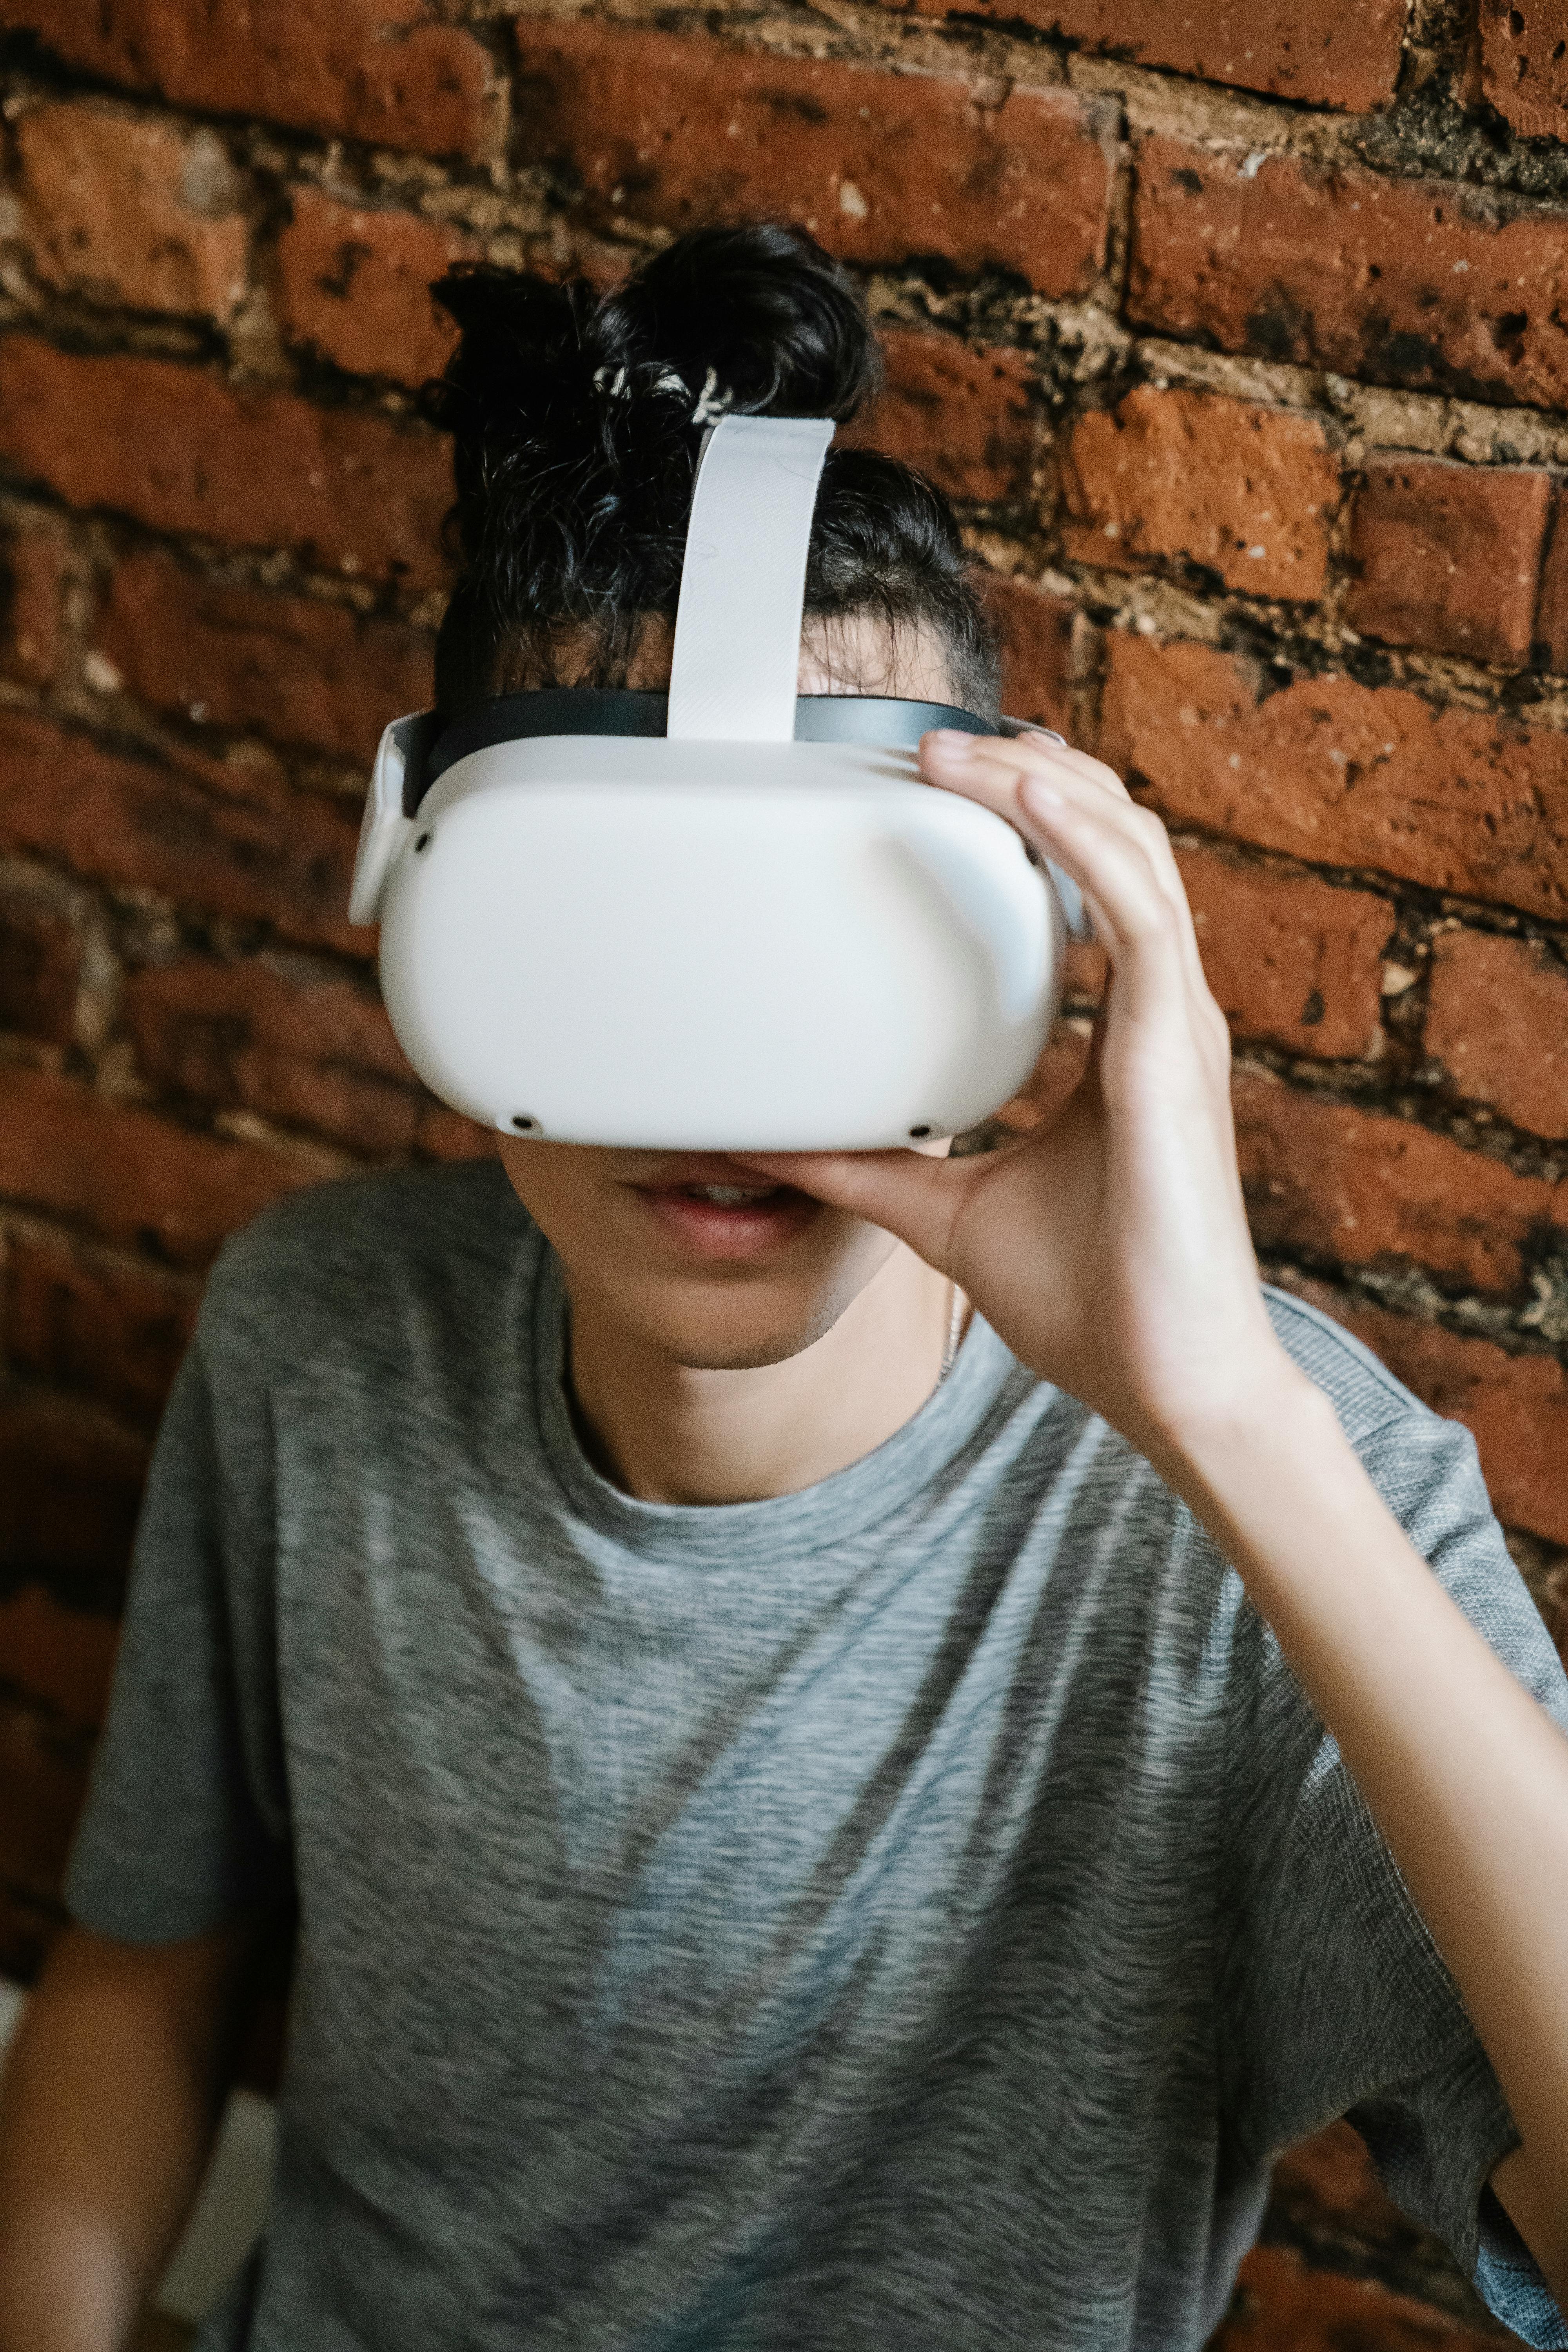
{"x": 1237, "y": 330}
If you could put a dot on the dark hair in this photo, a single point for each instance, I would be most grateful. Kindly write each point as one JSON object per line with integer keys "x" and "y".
{"x": 575, "y": 450}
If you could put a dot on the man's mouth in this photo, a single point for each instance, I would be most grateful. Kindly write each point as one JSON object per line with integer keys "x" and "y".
{"x": 729, "y": 1216}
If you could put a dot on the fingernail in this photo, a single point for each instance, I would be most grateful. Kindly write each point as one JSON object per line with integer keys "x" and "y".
{"x": 952, "y": 743}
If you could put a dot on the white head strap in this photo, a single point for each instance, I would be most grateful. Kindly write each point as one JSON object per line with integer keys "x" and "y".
{"x": 737, "y": 626}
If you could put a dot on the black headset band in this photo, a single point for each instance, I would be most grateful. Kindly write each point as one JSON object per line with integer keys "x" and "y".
{"x": 621, "y": 711}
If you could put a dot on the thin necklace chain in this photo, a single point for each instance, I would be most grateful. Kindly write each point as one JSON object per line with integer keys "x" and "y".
{"x": 954, "y": 1329}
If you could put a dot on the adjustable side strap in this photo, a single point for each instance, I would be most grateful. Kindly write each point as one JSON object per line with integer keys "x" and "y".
{"x": 737, "y": 626}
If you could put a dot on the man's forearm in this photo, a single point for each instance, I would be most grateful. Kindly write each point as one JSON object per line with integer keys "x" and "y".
{"x": 1465, "y": 1775}
{"x": 107, "y": 2117}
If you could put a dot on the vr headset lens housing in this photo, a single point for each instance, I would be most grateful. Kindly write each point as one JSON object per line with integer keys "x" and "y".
{"x": 730, "y": 918}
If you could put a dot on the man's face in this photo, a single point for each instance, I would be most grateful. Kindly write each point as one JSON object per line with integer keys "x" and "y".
{"x": 656, "y": 1238}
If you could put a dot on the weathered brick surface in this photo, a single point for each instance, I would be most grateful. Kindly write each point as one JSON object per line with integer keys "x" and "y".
{"x": 963, "y": 416}
{"x": 1318, "y": 52}
{"x": 1344, "y": 774}
{"x": 1281, "y": 2305}
{"x": 1551, "y": 611}
{"x": 293, "y": 667}
{"x": 128, "y": 1175}
{"x": 1497, "y": 1020}
{"x": 70, "y": 1481}
{"x": 40, "y": 965}
{"x": 59, "y": 1657}
{"x": 1523, "y": 62}
{"x": 1327, "y": 2205}
{"x": 231, "y": 839}
{"x": 877, "y": 165}
{"x": 383, "y": 70}
{"x": 1448, "y": 556}
{"x": 1037, "y": 652}
{"x": 1243, "y": 490}
{"x": 1292, "y": 961}
{"x": 143, "y": 214}
{"x": 114, "y": 1328}
{"x": 1360, "y": 1188}
{"x": 355, "y": 286}
{"x": 298, "y": 1046}
{"x": 184, "y": 451}
{"x": 1516, "y": 1406}
{"x": 1401, "y": 281}
{"x": 32, "y": 572}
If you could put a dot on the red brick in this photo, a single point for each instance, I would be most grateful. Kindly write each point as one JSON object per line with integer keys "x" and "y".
{"x": 375, "y": 69}
{"x": 961, "y": 415}
{"x": 1281, "y": 2305}
{"x": 232, "y": 841}
{"x": 1448, "y": 556}
{"x": 1331, "y": 2174}
{"x": 43, "y": 1778}
{"x": 1420, "y": 282}
{"x": 1497, "y": 1019}
{"x": 1515, "y": 1407}
{"x": 142, "y": 214}
{"x": 1358, "y": 1187}
{"x": 63, "y": 1658}
{"x": 294, "y": 667}
{"x": 184, "y": 451}
{"x": 40, "y": 964}
{"x": 1037, "y": 650}
{"x": 1242, "y": 489}
{"x": 128, "y": 1175}
{"x": 1343, "y": 775}
{"x": 1288, "y": 957}
{"x": 115, "y": 1331}
{"x": 1318, "y": 52}
{"x": 356, "y": 286}
{"x": 1551, "y": 614}
{"x": 295, "y": 1045}
{"x": 31, "y": 575}
{"x": 1524, "y": 65}
{"x": 877, "y": 165}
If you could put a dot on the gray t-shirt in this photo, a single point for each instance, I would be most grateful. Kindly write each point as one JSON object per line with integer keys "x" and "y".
{"x": 907, "y": 1914}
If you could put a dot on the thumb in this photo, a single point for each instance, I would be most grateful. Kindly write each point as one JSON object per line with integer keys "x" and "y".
{"x": 908, "y": 1194}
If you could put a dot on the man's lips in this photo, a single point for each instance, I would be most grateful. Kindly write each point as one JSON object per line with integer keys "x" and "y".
{"x": 749, "y": 1217}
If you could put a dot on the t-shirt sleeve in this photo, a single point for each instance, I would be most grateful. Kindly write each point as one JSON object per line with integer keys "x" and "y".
{"x": 1335, "y": 2000}
{"x": 186, "y": 1822}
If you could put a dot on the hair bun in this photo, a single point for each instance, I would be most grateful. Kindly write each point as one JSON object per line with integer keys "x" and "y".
{"x": 781, "y": 325}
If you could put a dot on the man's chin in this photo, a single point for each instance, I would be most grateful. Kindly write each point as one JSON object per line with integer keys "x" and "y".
{"x": 752, "y": 1354}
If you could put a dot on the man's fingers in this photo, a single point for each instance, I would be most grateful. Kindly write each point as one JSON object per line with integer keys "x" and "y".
{"x": 1073, "y": 808}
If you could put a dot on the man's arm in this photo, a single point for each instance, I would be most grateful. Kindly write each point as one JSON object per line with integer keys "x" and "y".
{"x": 1464, "y": 1774}
{"x": 1109, "y": 1250}
{"x": 111, "y": 2101}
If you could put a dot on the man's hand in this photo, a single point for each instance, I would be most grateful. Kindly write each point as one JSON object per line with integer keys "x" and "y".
{"x": 1109, "y": 1248}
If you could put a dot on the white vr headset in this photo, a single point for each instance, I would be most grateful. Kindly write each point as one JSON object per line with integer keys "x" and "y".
{"x": 730, "y": 918}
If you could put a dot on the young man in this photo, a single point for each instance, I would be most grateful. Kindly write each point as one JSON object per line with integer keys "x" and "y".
{"x": 805, "y": 1835}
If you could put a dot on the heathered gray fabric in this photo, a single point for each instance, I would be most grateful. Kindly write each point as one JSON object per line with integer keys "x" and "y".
{"x": 905, "y": 1914}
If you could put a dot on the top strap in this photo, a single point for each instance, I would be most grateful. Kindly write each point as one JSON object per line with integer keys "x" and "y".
{"x": 737, "y": 626}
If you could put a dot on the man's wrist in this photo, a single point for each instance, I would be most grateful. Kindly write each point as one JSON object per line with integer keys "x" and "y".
{"x": 1276, "y": 1419}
